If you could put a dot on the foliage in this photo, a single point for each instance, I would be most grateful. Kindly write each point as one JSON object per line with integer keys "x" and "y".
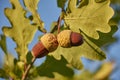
{"x": 60, "y": 66}
{"x": 91, "y": 18}
{"x": 22, "y": 32}
{"x": 88, "y": 23}
{"x": 3, "y": 43}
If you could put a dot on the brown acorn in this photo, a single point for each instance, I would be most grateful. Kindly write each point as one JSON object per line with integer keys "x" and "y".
{"x": 68, "y": 38}
{"x": 47, "y": 43}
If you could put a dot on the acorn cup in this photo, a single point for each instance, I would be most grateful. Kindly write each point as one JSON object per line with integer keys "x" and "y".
{"x": 68, "y": 38}
{"x": 47, "y": 43}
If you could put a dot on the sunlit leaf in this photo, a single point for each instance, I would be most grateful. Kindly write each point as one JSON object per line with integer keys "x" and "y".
{"x": 57, "y": 77}
{"x": 9, "y": 61}
{"x": 53, "y": 27}
{"x": 32, "y": 6}
{"x": 98, "y": 1}
{"x": 61, "y": 77}
{"x": 43, "y": 78}
{"x": 106, "y": 38}
{"x": 90, "y": 18}
{"x": 85, "y": 75}
{"x": 22, "y": 32}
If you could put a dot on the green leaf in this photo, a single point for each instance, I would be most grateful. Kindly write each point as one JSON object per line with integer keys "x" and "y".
{"x": 61, "y": 3}
{"x": 3, "y": 43}
{"x": 53, "y": 27}
{"x": 99, "y": 1}
{"x": 52, "y": 65}
{"x": 32, "y": 7}
{"x": 88, "y": 50}
{"x": 89, "y": 18}
{"x": 8, "y": 62}
{"x": 60, "y": 77}
{"x": 83, "y": 3}
{"x": 85, "y": 75}
{"x": 3, "y": 74}
{"x": 9, "y": 66}
{"x": 29, "y": 57}
{"x": 22, "y": 32}
{"x": 115, "y": 1}
{"x": 42, "y": 78}
{"x": 105, "y": 38}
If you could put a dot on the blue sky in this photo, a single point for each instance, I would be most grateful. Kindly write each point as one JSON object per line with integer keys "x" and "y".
{"x": 49, "y": 13}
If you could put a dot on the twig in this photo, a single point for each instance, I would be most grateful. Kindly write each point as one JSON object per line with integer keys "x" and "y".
{"x": 59, "y": 24}
{"x": 60, "y": 20}
{"x": 24, "y": 76}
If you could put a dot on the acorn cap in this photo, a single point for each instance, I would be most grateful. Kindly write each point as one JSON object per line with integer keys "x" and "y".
{"x": 49, "y": 41}
{"x": 64, "y": 38}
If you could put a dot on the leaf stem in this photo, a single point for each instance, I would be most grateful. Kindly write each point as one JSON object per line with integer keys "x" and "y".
{"x": 24, "y": 76}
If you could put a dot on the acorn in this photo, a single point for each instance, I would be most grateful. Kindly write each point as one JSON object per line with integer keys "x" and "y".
{"x": 68, "y": 38}
{"x": 47, "y": 43}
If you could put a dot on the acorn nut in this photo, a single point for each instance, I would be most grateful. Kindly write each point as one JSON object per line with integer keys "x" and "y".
{"x": 68, "y": 38}
{"x": 47, "y": 43}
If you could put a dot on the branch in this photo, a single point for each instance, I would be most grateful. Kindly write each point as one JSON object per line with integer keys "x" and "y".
{"x": 60, "y": 19}
{"x": 24, "y": 76}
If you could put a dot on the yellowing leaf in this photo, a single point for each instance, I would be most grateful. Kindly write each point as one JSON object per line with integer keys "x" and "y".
{"x": 90, "y": 18}
{"x": 32, "y": 7}
{"x": 22, "y": 32}
{"x": 105, "y": 71}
